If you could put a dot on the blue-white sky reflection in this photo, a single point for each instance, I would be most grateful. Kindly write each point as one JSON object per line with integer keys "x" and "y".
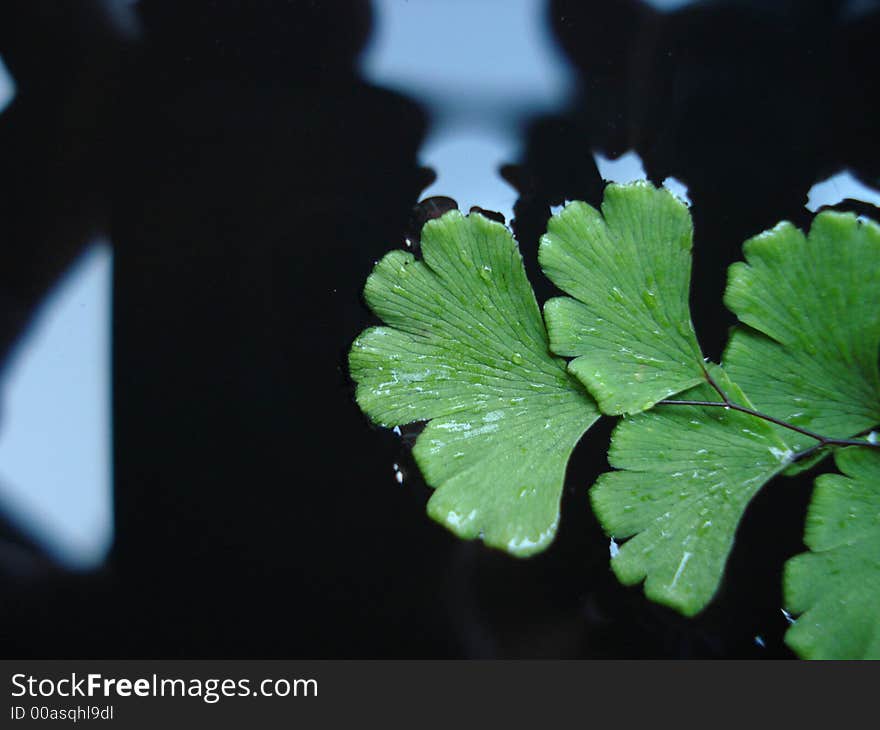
{"x": 55, "y": 433}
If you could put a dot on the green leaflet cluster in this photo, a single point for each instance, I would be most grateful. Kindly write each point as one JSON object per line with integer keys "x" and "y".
{"x": 466, "y": 349}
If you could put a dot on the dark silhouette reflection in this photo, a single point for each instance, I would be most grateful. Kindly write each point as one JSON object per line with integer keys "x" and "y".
{"x": 252, "y": 179}
{"x": 257, "y": 179}
{"x": 64, "y": 58}
{"x": 749, "y": 104}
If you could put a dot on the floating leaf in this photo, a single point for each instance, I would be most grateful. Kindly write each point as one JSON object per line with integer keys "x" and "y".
{"x": 812, "y": 306}
{"x": 687, "y": 474}
{"x": 466, "y": 349}
{"x": 628, "y": 268}
{"x": 836, "y": 586}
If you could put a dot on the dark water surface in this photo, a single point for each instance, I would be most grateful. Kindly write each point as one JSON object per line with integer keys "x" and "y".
{"x": 248, "y": 177}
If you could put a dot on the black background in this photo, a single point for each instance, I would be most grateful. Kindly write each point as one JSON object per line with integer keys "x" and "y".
{"x": 248, "y": 179}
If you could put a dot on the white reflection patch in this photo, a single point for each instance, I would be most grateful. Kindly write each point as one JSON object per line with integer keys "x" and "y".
{"x": 55, "y": 432}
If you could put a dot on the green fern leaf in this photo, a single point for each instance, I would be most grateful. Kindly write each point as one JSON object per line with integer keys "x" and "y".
{"x": 466, "y": 349}
{"x": 836, "y": 586}
{"x": 686, "y": 475}
{"x": 808, "y": 354}
{"x": 628, "y": 325}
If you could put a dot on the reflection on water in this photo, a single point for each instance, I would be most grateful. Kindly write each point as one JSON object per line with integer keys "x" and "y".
{"x": 439, "y": 52}
{"x": 55, "y": 439}
{"x": 478, "y": 108}
{"x": 678, "y": 189}
{"x": 669, "y": 5}
{"x": 623, "y": 169}
{"x": 466, "y": 161}
{"x": 839, "y": 187}
{"x": 627, "y": 168}
{"x": 7, "y": 87}
{"x": 122, "y": 14}
{"x": 831, "y": 191}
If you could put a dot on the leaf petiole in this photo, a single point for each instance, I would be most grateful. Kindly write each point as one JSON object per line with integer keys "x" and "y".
{"x": 730, "y": 405}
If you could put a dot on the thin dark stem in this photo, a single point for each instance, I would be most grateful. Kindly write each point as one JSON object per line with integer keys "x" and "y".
{"x": 801, "y": 455}
{"x": 714, "y": 384}
{"x": 729, "y": 405}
